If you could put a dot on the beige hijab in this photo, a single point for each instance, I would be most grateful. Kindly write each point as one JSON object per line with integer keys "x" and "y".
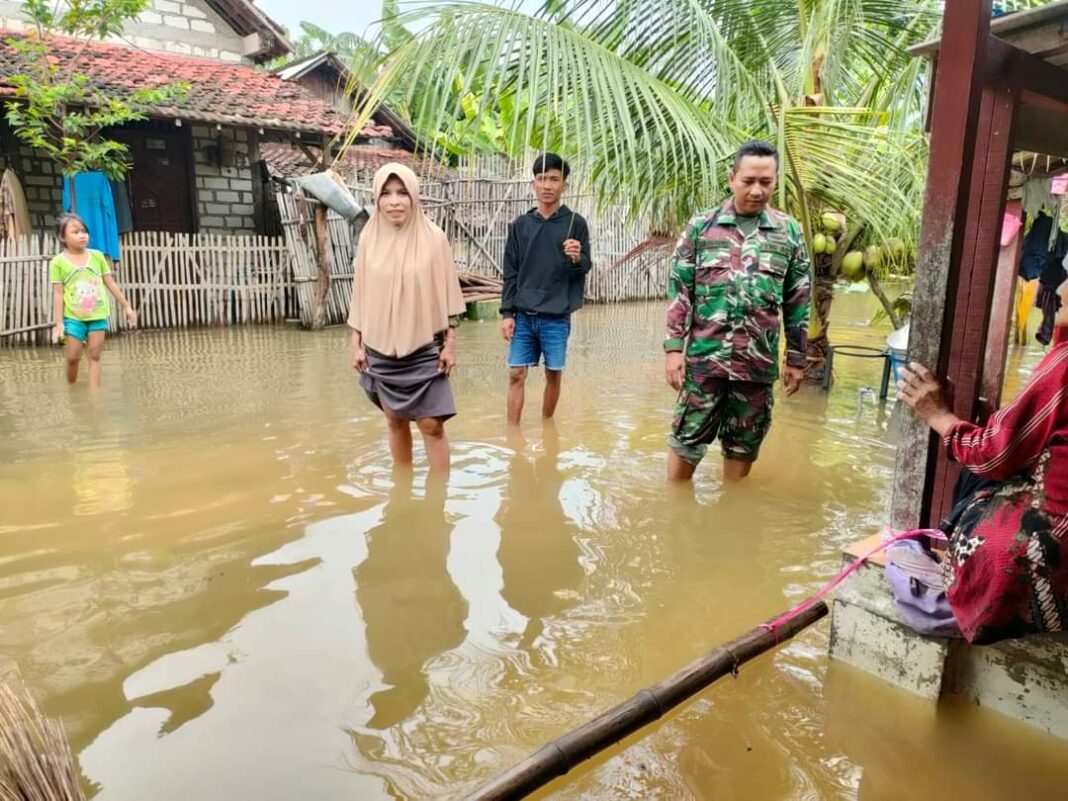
{"x": 405, "y": 288}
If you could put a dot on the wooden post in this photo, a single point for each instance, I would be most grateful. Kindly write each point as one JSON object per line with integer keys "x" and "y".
{"x": 968, "y": 317}
{"x": 323, "y": 259}
{"x": 997, "y": 339}
{"x": 954, "y": 121}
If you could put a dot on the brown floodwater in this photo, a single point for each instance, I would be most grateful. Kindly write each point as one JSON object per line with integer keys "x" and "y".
{"x": 210, "y": 575}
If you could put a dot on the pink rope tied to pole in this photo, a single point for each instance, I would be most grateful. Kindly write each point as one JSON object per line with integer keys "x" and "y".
{"x": 843, "y": 574}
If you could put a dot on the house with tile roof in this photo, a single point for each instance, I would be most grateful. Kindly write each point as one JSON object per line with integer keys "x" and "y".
{"x": 197, "y": 162}
{"x": 384, "y": 138}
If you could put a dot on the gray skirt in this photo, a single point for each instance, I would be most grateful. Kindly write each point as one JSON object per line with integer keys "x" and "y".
{"x": 410, "y": 387}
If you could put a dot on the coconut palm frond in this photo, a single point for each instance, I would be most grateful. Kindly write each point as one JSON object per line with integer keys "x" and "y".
{"x": 637, "y": 134}
{"x": 681, "y": 44}
{"x": 651, "y": 96}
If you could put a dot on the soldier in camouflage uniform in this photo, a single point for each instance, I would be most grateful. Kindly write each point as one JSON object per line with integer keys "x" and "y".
{"x": 737, "y": 272}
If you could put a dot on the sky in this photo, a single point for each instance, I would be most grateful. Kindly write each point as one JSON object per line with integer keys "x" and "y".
{"x": 338, "y": 16}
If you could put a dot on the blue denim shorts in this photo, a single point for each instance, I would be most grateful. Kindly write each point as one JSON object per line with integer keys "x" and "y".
{"x": 79, "y": 329}
{"x": 536, "y": 336}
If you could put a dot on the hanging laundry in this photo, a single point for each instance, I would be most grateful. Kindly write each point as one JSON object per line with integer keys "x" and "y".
{"x": 1036, "y": 195}
{"x": 1026, "y": 294}
{"x": 123, "y": 212}
{"x": 1010, "y": 226}
{"x": 1036, "y": 247}
{"x": 16, "y": 214}
{"x": 1053, "y": 275}
{"x": 95, "y": 205}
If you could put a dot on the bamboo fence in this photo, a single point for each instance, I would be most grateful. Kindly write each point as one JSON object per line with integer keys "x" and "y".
{"x": 25, "y": 292}
{"x": 187, "y": 280}
{"x": 171, "y": 280}
{"x": 298, "y": 228}
{"x": 476, "y": 213}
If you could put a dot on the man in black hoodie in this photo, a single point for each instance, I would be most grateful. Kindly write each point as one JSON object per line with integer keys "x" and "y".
{"x": 546, "y": 260}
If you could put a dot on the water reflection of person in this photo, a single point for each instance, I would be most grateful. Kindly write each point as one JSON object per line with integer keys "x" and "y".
{"x": 538, "y": 554}
{"x": 411, "y": 609}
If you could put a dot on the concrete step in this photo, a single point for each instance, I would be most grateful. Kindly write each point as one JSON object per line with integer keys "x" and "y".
{"x": 1024, "y": 679}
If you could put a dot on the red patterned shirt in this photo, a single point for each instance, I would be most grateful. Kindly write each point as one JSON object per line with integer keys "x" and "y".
{"x": 1017, "y": 436}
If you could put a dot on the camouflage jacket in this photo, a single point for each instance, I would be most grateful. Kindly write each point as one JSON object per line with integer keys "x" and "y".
{"x": 728, "y": 294}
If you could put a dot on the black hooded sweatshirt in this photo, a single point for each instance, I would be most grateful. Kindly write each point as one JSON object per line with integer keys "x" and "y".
{"x": 538, "y": 277}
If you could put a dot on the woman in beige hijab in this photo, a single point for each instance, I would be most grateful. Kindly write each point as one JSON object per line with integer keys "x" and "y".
{"x": 406, "y": 301}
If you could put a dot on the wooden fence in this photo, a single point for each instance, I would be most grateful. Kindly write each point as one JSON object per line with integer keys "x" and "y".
{"x": 171, "y": 280}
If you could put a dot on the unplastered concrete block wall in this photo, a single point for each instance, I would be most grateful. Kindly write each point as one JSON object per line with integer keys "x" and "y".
{"x": 183, "y": 27}
{"x": 223, "y": 160}
{"x": 190, "y": 28}
{"x": 41, "y": 182}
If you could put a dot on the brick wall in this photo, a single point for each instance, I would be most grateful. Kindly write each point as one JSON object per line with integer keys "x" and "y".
{"x": 224, "y": 194}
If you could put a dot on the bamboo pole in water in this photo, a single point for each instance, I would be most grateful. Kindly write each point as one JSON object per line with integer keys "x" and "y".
{"x": 562, "y": 754}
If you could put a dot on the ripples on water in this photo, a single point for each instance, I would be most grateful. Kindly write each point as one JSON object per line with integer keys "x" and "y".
{"x": 211, "y": 573}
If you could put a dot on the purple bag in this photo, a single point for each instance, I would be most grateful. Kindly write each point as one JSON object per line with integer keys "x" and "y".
{"x": 915, "y": 577}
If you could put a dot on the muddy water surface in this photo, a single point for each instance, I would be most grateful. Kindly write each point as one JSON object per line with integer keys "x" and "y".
{"x": 210, "y": 574}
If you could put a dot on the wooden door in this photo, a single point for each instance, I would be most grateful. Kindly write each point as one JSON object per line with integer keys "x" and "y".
{"x": 160, "y": 182}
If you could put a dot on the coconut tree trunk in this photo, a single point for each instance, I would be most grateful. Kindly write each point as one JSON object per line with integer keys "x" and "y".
{"x": 826, "y": 267}
{"x": 822, "y": 298}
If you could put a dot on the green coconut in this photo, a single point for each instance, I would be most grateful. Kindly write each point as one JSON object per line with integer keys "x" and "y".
{"x": 896, "y": 247}
{"x": 873, "y": 257}
{"x": 819, "y": 243}
{"x": 853, "y": 265}
{"x": 830, "y": 223}
{"x": 830, "y": 244}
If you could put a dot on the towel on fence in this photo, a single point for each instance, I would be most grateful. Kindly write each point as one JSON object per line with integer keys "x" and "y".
{"x": 95, "y": 204}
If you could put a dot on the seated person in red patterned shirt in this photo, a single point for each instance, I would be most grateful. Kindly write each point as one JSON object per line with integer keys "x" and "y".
{"x": 1006, "y": 565}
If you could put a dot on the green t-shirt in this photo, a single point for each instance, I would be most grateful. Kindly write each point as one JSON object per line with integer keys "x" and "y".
{"x": 747, "y": 225}
{"x": 84, "y": 295}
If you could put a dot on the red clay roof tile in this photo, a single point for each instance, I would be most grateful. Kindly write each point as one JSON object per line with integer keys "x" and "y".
{"x": 232, "y": 94}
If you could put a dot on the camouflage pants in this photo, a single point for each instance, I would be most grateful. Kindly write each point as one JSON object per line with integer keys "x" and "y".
{"x": 738, "y": 412}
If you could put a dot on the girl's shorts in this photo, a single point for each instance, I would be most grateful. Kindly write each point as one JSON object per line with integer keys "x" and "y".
{"x": 79, "y": 329}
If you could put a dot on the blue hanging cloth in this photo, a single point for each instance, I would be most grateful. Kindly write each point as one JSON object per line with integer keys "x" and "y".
{"x": 123, "y": 212}
{"x": 96, "y": 205}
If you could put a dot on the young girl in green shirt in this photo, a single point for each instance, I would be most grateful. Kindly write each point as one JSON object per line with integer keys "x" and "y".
{"x": 79, "y": 276}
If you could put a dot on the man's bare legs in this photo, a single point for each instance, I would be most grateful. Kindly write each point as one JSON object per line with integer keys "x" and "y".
{"x": 678, "y": 469}
{"x": 554, "y": 379}
{"x": 517, "y": 379}
{"x": 735, "y": 469}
